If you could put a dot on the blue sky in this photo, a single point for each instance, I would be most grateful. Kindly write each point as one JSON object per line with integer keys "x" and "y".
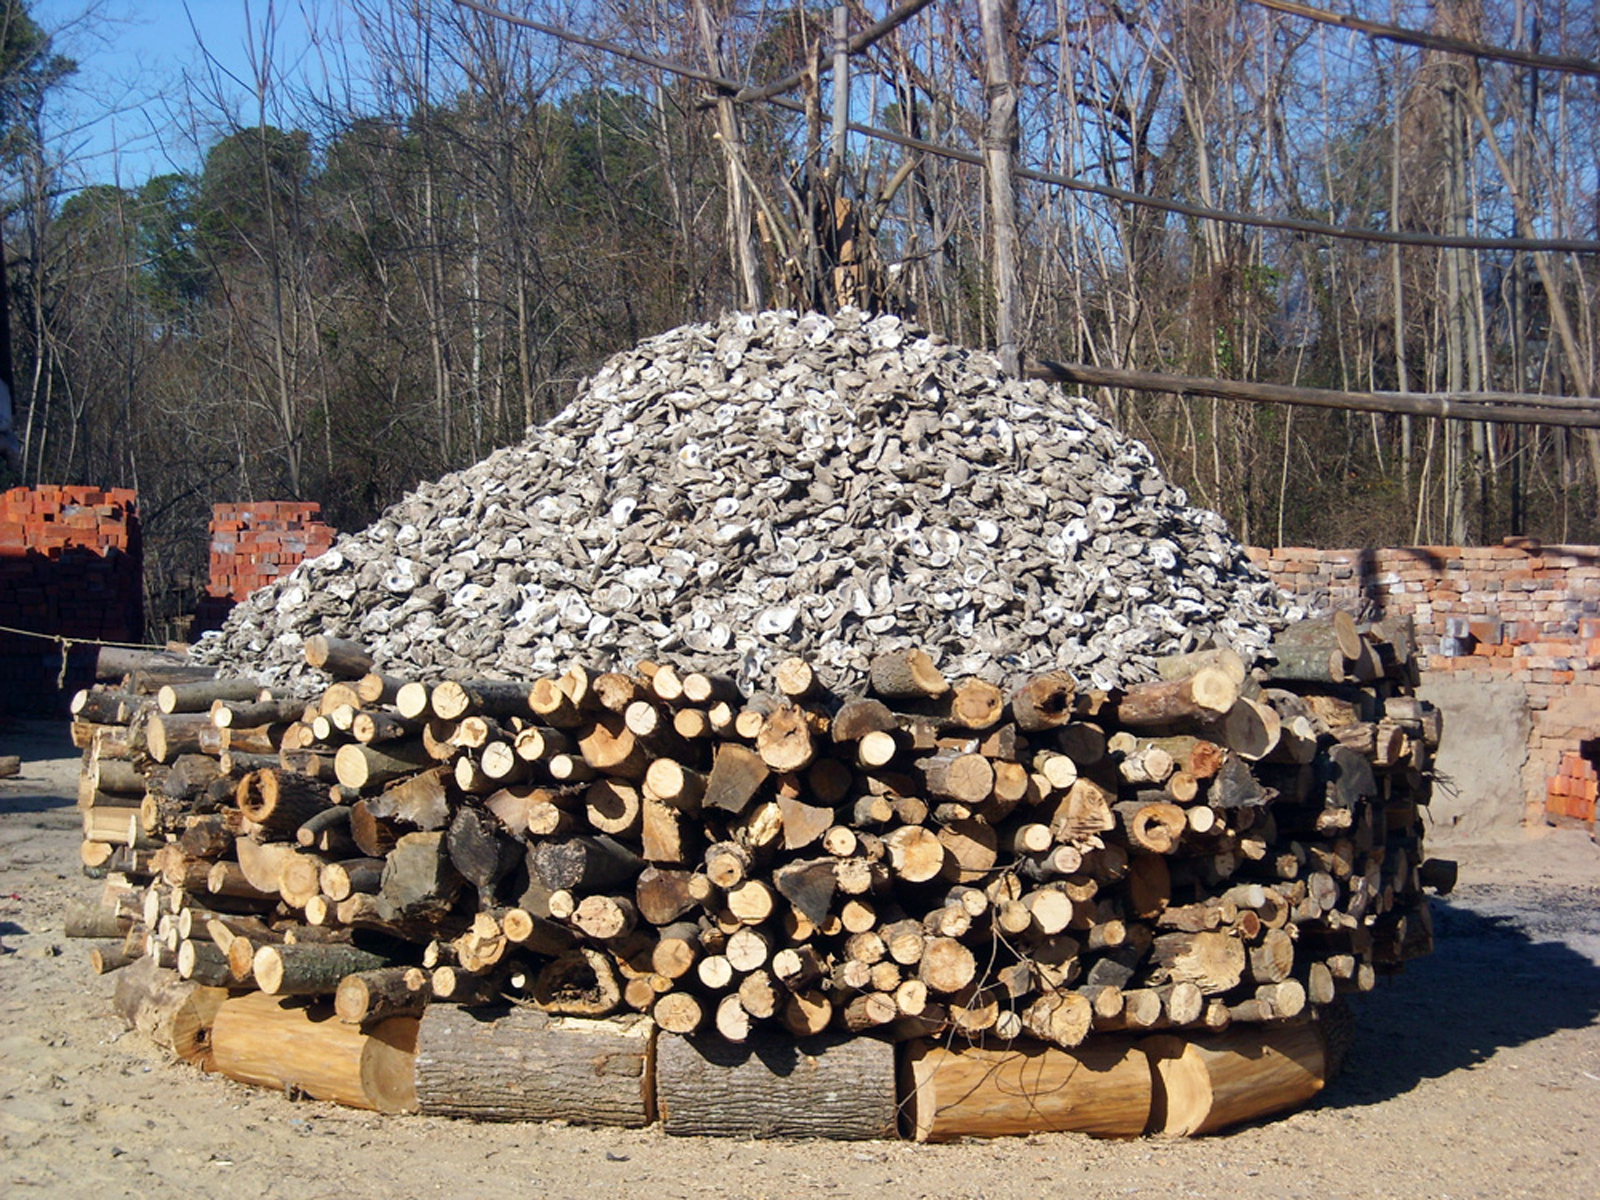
{"x": 125, "y": 115}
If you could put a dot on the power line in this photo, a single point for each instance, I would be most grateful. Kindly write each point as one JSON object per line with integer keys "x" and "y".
{"x": 1572, "y": 64}
{"x": 1107, "y": 191}
{"x": 1566, "y": 412}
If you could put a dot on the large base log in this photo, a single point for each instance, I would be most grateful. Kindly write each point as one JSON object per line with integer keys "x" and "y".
{"x": 776, "y": 1086}
{"x": 174, "y": 1013}
{"x": 1101, "y": 1087}
{"x": 519, "y": 1064}
{"x": 1249, "y": 1071}
{"x": 306, "y": 1050}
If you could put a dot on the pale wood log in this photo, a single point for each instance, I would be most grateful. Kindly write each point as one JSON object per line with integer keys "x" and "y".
{"x": 776, "y": 1087}
{"x": 310, "y": 969}
{"x": 971, "y": 849}
{"x": 536, "y": 743}
{"x": 176, "y": 1014}
{"x": 731, "y": 1020}
{"x": 366, "y": 996}
{"x": 1063, "y": 1019}
{"x": 452, "y": 700}
{"x": 81, "y": 919}
{"x": 946, "y": 965}
{"x": 419, "y": 798}
{"x": 785, "y": 741}
{"x": 915, "y": 853}
{"x": 325, "y": 828}
{"x": 610, "y": 747}
{"x": 359, "y": 766}
{"x": 168, "y": 736}
{"x": 1205, "y": 695}
{"x": 109, "y": 956}
{"x": 1209, "y": 1083}
{"x": 197, "y": 696}
{"x": 285, "y": 1045}
{"x": 1214, "y": 961}
{"x": 339, "y": 657}
{"x": 115, "y": 775}
{"x": 1156, "y": 828}
{"x": 613, "y": 807}
{"x": 678, "y": 1012}
{"x": 1102, "y": 1087}
{"x": 103, "y": 706}
{"x": 369, "y": 727}
{"x": 254, "y": 714}
{"x": 1083, "y": 812}
{"x": 681, "y": 786}
{"x": 701, "y": 688}
{"x": 203, "y": 963}
{"x": 1222, "y": 658}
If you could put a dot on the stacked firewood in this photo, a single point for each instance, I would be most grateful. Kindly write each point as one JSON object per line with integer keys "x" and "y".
{"x": 932, "y": 859}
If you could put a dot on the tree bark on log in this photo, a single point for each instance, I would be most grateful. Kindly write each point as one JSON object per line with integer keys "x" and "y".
{"x": 775, "y": 1086}
{"x": 518, "y": 1064}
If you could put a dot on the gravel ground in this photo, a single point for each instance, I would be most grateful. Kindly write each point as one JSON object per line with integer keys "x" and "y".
{"x": 1476, "y": 1073}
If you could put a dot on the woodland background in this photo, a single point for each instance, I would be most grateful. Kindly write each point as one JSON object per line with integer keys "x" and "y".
{"x": 365, "y": 284}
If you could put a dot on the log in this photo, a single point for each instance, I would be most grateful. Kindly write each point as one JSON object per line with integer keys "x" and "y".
{"x": 578, "y": 983}
{"x": 1044, "y": 702}
{"x": 339, "y": 657}
{"x": 280, "y": 802}
{"x": 773, "y": 1086}
{"x": 518, "y": 1064}
{"x": 198, "y": 696}
{"x": 176, "y": 1014}
{"x": 358, "y": 766}
{"x": 454, "y": 699}
{"x": 304, "y": 1050}
{"x": 785, "y": 741}
{"x": 1102, "y": 1087}
{"x": 1206, "y": 1084}
{"x": 906, "y": 674}
{"x": 310, "y": 969}
{"x": 182, "y": 733}
{"x": 1207, "y": 694}
{"x": 418, "y": 878}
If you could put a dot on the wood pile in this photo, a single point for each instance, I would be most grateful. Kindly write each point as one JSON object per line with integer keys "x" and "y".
{"x": 459, "y": 894}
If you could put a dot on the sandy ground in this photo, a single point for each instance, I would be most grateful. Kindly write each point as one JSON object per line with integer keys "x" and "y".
{"x": 1476, "y": 1073}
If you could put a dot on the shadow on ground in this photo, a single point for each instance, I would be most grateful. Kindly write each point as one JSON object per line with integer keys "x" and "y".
{"x": 1488, "y": 985}
{"x": 37, "y": 743}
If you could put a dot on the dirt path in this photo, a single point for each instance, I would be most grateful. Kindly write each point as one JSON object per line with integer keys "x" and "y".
{"x": 1474, "y": 1074}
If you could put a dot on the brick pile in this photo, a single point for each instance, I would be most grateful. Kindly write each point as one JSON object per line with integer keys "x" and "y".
{"x": 1571, "y": 791}
{"x": 252, "y": 545}
{"x": 70, "y": 566}
{"x": 1520, "y": 612}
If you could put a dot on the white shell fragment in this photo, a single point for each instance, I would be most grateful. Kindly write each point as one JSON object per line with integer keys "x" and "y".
{"x": 724, "y": 496}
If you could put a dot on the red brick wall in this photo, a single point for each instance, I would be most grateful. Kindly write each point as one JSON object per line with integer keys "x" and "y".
{"x": 1520, "y": 612}
{"x": 70, "y": 565}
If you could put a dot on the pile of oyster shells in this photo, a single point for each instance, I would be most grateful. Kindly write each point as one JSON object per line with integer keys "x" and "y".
{"x": 726, "y": 495}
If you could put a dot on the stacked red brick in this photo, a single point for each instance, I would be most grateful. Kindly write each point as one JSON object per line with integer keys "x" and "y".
{"x": 1520, "y": 612}
{"x": 254, "y": 544}
{"x": 70, "y": 567}
{"x": 1571, "y": 791}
